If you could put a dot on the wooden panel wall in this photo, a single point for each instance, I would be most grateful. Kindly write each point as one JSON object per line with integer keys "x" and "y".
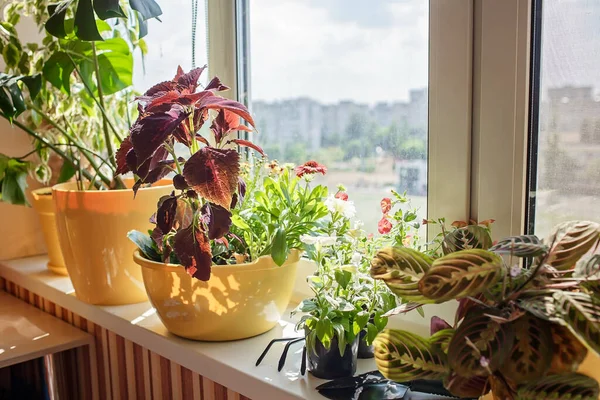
{"x": 121, "y": 369}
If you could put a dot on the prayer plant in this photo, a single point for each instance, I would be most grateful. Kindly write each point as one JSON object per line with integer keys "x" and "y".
{"x": 207, "y": 183}
{"x": 529, "y": 311}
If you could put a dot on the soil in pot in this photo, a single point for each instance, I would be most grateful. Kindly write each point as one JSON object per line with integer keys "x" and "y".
{"x": 328, "y": 363}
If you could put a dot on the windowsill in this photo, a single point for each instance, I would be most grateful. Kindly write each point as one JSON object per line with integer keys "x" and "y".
{"x": 231, "y": 364}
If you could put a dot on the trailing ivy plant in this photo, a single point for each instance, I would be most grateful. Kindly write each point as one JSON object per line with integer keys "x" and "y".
{"x": 528, "y": 313}
{"x": 207, "y": 184}
{"x": 59, "y": 91}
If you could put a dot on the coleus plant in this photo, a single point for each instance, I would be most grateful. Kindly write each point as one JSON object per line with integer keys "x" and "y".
{"x": 207, "y": 184}
{"x": 528, "y": 312}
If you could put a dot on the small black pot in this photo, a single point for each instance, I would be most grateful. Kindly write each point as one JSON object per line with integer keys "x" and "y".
{"x": 364, "y": 350}
{"x": 328, "y": 364}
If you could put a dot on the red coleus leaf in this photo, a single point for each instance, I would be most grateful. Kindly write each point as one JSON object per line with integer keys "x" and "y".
{"x": 213, "y": 173}
{"x": 215, "y": 102}
{"x": 437, "y": 324}
{"x": 216, "y": 85}
{"x": 192, "y": 248}
{"x": 158, "y": 99}
{"x": 165, "y": 215}
{"x": 160, "y": 87}
{"x": 247, "y": 143}
{"x": 310, "y": 168}
{"x": 151, "y": 131}
{"x": 218, "y": 220}
{"x": 179, "y": 73}
{"x": 386, "y": 205}
{"x": 224, "y": 123}
{"x": 121, "y": 156}
{"x": 384, "y": 226}
{"x": 190, "y": 80}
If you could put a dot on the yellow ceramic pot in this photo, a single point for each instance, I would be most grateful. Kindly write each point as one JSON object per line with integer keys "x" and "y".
{"x": 92, "y": 228}
{"x": 43, "y": 204}
{"x": 239, "y": 301}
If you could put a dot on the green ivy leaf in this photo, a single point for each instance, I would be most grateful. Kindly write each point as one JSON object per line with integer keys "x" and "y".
{"x": 324, "y": 331}
{"x": 67, "y": 171}
{"x": 343, "y": 277}
{"x": 85, "y": 22}
{"x": 13, "y": 180}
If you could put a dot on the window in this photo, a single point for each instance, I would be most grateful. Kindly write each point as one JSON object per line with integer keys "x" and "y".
{"x": 565, "y": 154}
{"x": 345, "y": 83}
{"x": 171, "y": 43}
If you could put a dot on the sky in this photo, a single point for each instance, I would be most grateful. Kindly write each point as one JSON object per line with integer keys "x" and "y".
{"x": 365, "y": 51}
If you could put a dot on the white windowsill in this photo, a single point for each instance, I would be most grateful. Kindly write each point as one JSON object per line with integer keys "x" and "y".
{"x": 230, "y": 364}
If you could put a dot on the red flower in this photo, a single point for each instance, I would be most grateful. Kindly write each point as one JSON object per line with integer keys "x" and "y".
{"x": 342, "y": 196}
{"x": 384, "y": 226}
{"x": 425, "y": 222}
{"x": 386, "y": 205}
{"x": 310, "y": 168}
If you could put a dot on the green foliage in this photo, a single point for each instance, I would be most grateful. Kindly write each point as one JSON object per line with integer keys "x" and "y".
{"x": 520, "y": 331}
{"x": 13, "y": 180}
{"x": 277, "y": 210}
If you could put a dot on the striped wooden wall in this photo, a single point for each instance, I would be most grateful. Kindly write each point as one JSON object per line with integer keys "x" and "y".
{"x": 121, "y": 369}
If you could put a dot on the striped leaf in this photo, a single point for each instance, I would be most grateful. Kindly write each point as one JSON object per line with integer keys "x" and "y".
{"x": 471, "y": 387}
{"x": 520, "y": 246}
{"x": 465, "y": 238}
{"x": 531, "y": 352}
{"x": 491, "y": 339}
{"x": 579, "y": 312}
{"x": 570, "y": 386}
{"x": 403, "y": 356}
{"x": 587, "y": 267}
{"x": 461, "y": 274}
{"x": 442, "y": 339}
{"x": 568, "y": 351}
{"x": 401, "y": 269}
{"x": 569, "y": 241}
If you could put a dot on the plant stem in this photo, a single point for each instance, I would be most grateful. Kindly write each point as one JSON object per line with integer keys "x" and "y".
{"x": 55, "y": 149}
{"x": 66, "y": 134}
{"x": 102, "y": 110}
{"x": 107, "y": 138}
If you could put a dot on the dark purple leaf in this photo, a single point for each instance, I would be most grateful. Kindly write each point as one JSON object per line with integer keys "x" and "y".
{"x": 165, "y": 215}
{"x": 150, "y": 132}
{"x": 184, "y": 215}
{"x": 218, "y": 221}
{"x": 437, "y": 324}
{"x": 159, "y": 99}
{"x": 234, "y": 201}
{"x": 131, "y": 160}
{"x": 156, "y": 161}
{"x": 192, "y": 247}
{"x": 241, "y": 189}
{"x": 161, "y": 87}
{"x": 182, "y": 134}
{"x": 216, "y": 85}
{"x": 179, "y": 182}
{"x": 121, "y": 156}
{"x": 157, "y": 235}
{"x": 213, "y": 173}
{"x": 190, "y": 80}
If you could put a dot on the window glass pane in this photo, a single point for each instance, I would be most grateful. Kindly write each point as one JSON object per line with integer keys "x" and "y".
{"x": 568, "y": 165}
{"x": 344, "y": 82}
{"x": 169, "y": 43}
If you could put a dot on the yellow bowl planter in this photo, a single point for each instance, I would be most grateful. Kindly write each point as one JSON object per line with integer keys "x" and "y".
{"x": 92, "y": 228}
{"x": 44, "y": 205}
{"x": 239, "y": 301}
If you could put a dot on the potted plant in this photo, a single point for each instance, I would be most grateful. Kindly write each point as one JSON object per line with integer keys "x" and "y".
{"x": 528, "y": 314}
{"x": 218, "y": 284}
{"x": 77, "y": 102}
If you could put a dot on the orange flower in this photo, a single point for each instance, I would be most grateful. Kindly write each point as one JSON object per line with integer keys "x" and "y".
{"x": 342, "y": 196}
{"x": 310, "y": 168}
{"x": 384, "y": 226}
{"x": 386, "y": 205}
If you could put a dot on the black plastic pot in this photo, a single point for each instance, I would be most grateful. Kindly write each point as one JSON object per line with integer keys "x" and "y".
{"x": 364, "y": 350}
{"x": 328, "y": 364}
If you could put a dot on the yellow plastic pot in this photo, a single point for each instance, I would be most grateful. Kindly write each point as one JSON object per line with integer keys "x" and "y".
{"x": 44, "y": 205}
{"x": 239, "y": 301}
{"x": 92, "y": 228}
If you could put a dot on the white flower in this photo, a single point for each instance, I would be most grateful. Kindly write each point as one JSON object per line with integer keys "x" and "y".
{"x": 356, "y": 258}
{"x": 318, "y": 241}
{"x": 515, "y": 270}
{"x": 358, "y": 224}
{"x": 344, "y": 207}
